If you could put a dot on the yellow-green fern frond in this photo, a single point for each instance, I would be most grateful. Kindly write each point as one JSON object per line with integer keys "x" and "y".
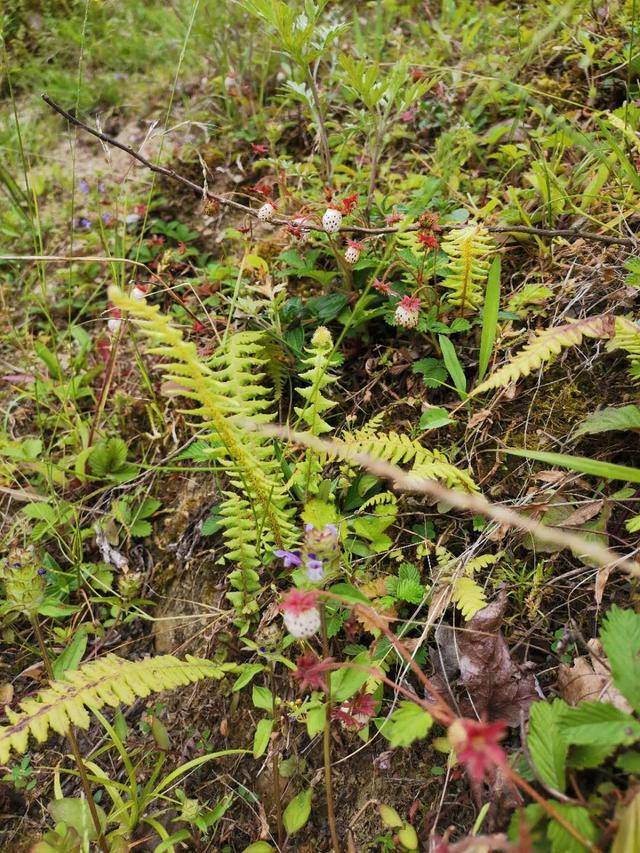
{"x": 468, "y": 249}
{"x": 109, "y": 680}
{"x": 398, "y": 449}
{"x": 544, "y": 346}
{"x": 627, "y": 338}
{"x": 226, "y": 394}
{"x": 316, "y": 405}
{"x": 467, "y": 596}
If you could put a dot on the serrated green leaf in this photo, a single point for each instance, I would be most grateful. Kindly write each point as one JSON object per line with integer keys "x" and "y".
{"x": 597, "y": 722}
{"x": 610, "y": 418}
{"x": 620, "y": 637}
{"x": 408, "y": 722}
{"x": 297, "y": 812}
{"x": 561, "y": 840}
{"x": 547, "y": 748}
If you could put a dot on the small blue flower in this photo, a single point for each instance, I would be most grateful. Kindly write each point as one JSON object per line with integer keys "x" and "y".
{"x": 84, "y": 186}
{"x": 42, "y": 571}
{"x": 291, "y": 558}
{"x": 84, "y": 223}
{"x": 101, "y": 188}
{"x": 106, "y": 218}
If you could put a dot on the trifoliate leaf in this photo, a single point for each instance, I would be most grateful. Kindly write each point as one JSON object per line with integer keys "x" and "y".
{"x": 408, "y": 722}
{"x": 597, "y": 722}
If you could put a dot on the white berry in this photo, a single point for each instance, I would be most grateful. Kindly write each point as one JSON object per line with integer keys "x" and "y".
{"x": 407, "y": 317}
{"x": 332, "y": 220}
{"x": 138, "y": 294}
{"x": 114, "y": 324}
{"x": 352, "y": 255}
{"x": 266, "y": 212}
{"x": 304, "y": 625}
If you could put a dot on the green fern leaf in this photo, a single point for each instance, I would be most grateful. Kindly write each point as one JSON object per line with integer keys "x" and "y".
{"x": 468, "y": 596}
{"x": 543, "y": 347}
{"x": 228, "y": 392}
{"x": 468, "y": 249}
{"x": 109, "y": 680}
{"x": 627, "y": 338}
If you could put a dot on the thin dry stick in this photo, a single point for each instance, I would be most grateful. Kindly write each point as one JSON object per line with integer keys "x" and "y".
{"x": 476, "y": 504}
{"x": 202, "y": 192}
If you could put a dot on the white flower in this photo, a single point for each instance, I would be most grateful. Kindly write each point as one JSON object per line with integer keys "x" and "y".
{"x": 303, "y": 625}
{"x": 266, "y": 212}
{"x": 332, "y": 220}
{"x": 113, "y": 324}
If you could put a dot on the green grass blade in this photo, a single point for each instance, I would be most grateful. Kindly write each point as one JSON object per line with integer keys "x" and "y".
{"x": 582, "y": 464}
{"x": 452, "y": 363}
{"x": 489, "y": 316}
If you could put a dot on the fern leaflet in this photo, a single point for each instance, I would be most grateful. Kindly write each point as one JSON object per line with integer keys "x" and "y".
{"x": 468, "y": 249}
{"x": 544, "y": 346}
{"x": 109, "y": 680}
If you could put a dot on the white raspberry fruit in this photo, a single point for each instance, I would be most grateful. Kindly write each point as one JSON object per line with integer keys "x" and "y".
{"x": 305, "y": 625}
{"x": 266, "y": 212}
{"x": 138, "y": 294}
{"x": 352, "y": 255}
{"x": 332, "y": 220}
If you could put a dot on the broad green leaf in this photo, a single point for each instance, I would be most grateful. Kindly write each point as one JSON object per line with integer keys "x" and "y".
{"x": 262, "y": 698}
{"x": 452, "y": 363}
{"x": 297, "y": 812}
{"x": 72, "y": 655}
{"x": 489, "y": 317}
{"x": 261, "y": 737}
{"x": 249, "y": 671}
{"x": 620, "y": 637}
{"x": 597, "y": 722}
{"x": 75, "y": 812}
{"x": 606, "y": 470}
{"x": 610, "y": 418}
{"x": 347, "y": 681}
{"x": 408, "y": 722}
{"x": 349, "y": 593}
{"x": 546, "y": 746}
{"x": 627, "y": 838}
{"x": 434, "y": 417}
{"x": 389, "y": 816}
{"x": 259, "y": 847}
{"x": 316, "y": 719}
{"x": 561, "y": 840}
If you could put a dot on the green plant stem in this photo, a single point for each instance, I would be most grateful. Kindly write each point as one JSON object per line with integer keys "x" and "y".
{"x": 104, "y": 391}
{"x": 73, "y": 743}
{"x": 326, "y": 738}
{"x": 275, "y": 763}
{"x": 322, "y": 131}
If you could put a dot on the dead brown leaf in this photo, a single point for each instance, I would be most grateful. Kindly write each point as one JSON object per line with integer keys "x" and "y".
{"x": 498, "y": 688}
{"x": 589, "y": 679}
{"x": 584, "y": 513}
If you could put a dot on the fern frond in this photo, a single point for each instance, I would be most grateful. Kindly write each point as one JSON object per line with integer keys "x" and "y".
{"x": 467, "y": 596}
{"x": 397, "y": 448}
{"x": 544, "y": 346}
{"x": 627, "y": 338}
{"x": 109, "y": 680}
{"x": 227, "y": 393}
{"x": 468, "y": 249}
{"x": 316, "y": 405}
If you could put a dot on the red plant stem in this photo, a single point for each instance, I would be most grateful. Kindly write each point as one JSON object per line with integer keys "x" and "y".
{"x": 326, "y": 740}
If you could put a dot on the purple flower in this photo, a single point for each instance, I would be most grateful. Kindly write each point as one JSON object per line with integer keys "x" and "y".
{"x": 106, "y": 218}
{"x": 84, "y": 223}
{"x": 101, "y": 187}
{"x": 84, "y": 186}
{"x": 331, "y": 530}
{"x": 315, "y": 569}
{"x": 42, "y": 571}
{"x": 291, "y": 558}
